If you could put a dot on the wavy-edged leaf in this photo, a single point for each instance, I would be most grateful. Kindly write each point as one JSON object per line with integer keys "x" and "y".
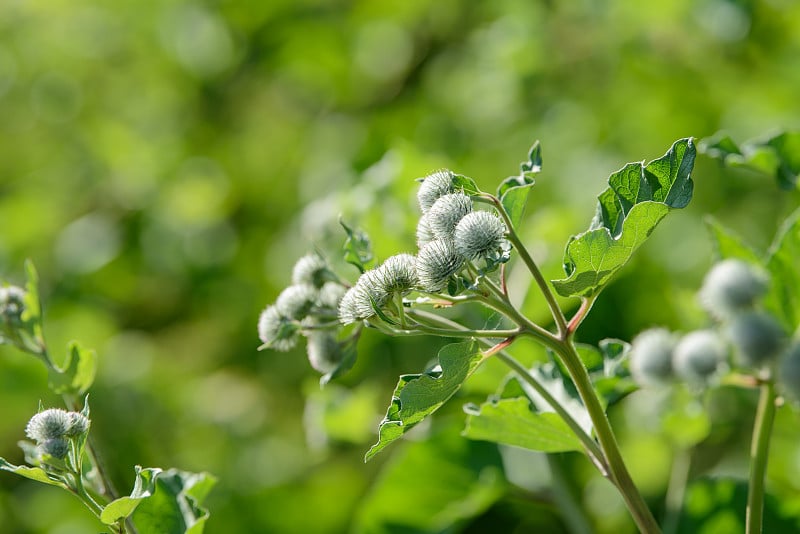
{"x": 777, "y": 155}
{"x": 513, "y": 191}
{"x": 417, "y": 396}
{"x": 638, "y": 198}
{"x": 33, "y": 473}
{"x": 512, "y": 422}
{"x": 176, "y": 505}
{"x": 78, "y": 373}
{"x": 143, "y": 487}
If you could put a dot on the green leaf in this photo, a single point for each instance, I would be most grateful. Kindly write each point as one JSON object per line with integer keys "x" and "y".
{"x": 512, "y": 422}
{"x": 78, "y": 373}
{"x": 729, "y": 245}
{"x": 513, "y": 191}
{"x": 418, "y": 396}
{"x": 357, "y": 247}
{"x": 175, "y": 506}
{"x": 143, "y": 487}
{"x": 465, "y": 184}
{"x": 33, "y": 473}
{"x": 783, "y": 298}
{"x": 638, "y": 198}
{"x": 777, "y": 155}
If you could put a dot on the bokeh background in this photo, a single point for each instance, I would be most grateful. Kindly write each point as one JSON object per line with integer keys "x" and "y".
{"x": 164, "y": 163}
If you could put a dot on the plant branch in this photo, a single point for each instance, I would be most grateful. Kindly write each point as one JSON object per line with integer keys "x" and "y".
{"x": 759, "y": 449}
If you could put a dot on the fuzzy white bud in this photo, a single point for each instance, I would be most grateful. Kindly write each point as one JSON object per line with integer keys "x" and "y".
{"x": 479, "y": 234}
{"x": 49, "y": 424}
{"x": 756, "y": 337}
{"x": 324, "y": 352}
{"x": 296, "y": 301}
{"x": 436, "y": 263}
{"x": 731, "y": 286}
{"x": 651, "y": 356}
{"x": 330, "y": 294}
{"x": 446, "y": 212}
{"x": 276, "y": 330}
{"x": 424, "y": 232}
{"x": 311, "y": 269}
{"x": 434, "y": 186}
{"x": 698, "y": 355}
{"x": 398, "y": 273}
{"x": 789, "y": 371}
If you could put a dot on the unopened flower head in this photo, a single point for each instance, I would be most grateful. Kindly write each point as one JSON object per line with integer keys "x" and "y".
{"x": 651, "y": 356}
{"x": 398, "y": 273}
{"x": 424, "y": 232}
{"x": 698, "y": 355}
{"x": 56, "y": 447}
{"x": 276, "y": 330}
{"x": 296, "y": 301}
{"x": 12, "y": 303}
{"x": 361, "y": 300}
{"x": 756, "y": 337}
{"x": 311, "y": 269}
{"x": 446, "y": 212}
{"x": 330, "y": 294}
{"x": 436, "y": 263}
{"x": 479, "y": 234}
{"x": 731, "y": 286}
{"x": 79, "y": 424}
{"x": 53, "y": 423}
{"x": 434, "y": 186}
{"x": 324, "y": 351}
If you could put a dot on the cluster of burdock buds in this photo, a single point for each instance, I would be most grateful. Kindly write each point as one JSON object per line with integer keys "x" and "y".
{"x": 744, "y": 336}
{"x": 451, "y": 234}
{"x": 56, "y": 432}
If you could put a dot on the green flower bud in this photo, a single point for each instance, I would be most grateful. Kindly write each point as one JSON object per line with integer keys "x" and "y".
{"x": 731, "y": 286}
{"x": 398, "y": 273}
{"x": 311, "y": 269}
{"x": 698, "y": 355}
{"x": 434, "y": 186}
{"x": 324, "y": 352}
{"x": 296, "y": 301}
{"x": 479, "y": 234}
{"x": 446, "y": 212}
{"x": 56, "y": 447}
{"x": 789, "y": 372}
{"x": 276, "y": 330}
{"x": 436, "y": 263}
{"x": 54, "y": 423}
{"x": 651, "y": 356}
{"x": 424, "y": 232}
{"x": 330, "y": 294}
{"x": 756, "y": 337}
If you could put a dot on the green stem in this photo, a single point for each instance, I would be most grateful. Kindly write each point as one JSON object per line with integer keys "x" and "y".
{"x": 759, "y": 449}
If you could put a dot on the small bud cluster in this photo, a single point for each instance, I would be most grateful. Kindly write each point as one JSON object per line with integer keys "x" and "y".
{"x": 53, "y": 429}
{"x": 731, "y": 293}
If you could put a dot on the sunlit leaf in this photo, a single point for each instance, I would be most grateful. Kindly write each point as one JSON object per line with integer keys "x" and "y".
{"x": 513, "y": 191}
{"x": 143, "y": 487}
{"x": 175, "y": 506}
{"x": 33, "y": 473}
{"x": 78, "y": 373}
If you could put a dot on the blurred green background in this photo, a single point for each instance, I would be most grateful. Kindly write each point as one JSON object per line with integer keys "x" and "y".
{"x": 164, "y": 164}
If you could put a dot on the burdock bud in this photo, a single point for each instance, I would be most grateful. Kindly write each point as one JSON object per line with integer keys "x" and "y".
{"x": 434, "y": 186}
{"x": 12, "y": 304}
{"x": 398, "y": 273}
{"x": 54, "y": 423}
{"x": 436, "y": 263}
{"x": 424, "y": 232}
{"x": 446, "y": 212}
{"x": 79, "y": 425}
{"x": 731, "y": 286}
{"x": 756, "y": 337}
{"x": 698, "y": 355}
{"x": 330, "y": 294}
{"x": 296, "y": 301}
{"x": 789, "y": 373}
{"x": 311, "y": 269}
{"x": 56, "y": 447}
{"x": 360, "y": 301}
{"x": 479, "y": 234}
{"x": 324, "y": 352}
{"x": 276, "y": 330}
{"x": 651, "y": 356}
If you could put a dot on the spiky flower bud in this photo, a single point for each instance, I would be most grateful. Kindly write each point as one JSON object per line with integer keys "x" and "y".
{"x": 436, "y": 263}
{"x": 698, "y": 355}
{"x": 12, "y": 304}
{"x": 398, "y": 273}
{"x": 479, "y": 234}
{"x": 434, "y": 186}
{"x": 651, "y": 356}
{"x": 330, "y": 294}
{"x": 789, "y": 371}
{"x": 424, "y": 232}
{"x": 311, "y": 269}
{"x": 296, "y": 301}
{"x": 79, "y": 425}
{"x": 324, "y": 352}
{"x": 54, "y": 423}
{"x": 446, "y": 212}
{"x": 360, "y": 301}
{"x": 756, "y": 337}
{"x": 731, "y": 286}
{"x": 56, "y": 447}
{"x": 276, "y": 330}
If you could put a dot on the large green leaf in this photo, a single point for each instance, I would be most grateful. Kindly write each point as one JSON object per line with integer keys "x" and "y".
{"x": 638, "y": 197}
{"x": 418, "y": 396}
{"x": 512, "y": 422}
{"x": 33, "y": 473}
{"x": 777, "y": 155}
{"x": 78, "y": 373}
{"x": 175, "y": 506}
{"x": 143, "y": 487}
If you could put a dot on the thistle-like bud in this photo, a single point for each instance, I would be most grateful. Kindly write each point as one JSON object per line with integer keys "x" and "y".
{"x": 324, "y": 352}
{"x": 330, "y": 294}
{"x": 446, "y": 212}
{"x": 436, "y": 263}
{"x": 756, "y": 337}
{"x": 54, "y": 423}
{"x": 276, "y": 330}
{"x": 651, "y": 356}
{"x": 296, "y": 301}
{"x": 311, "y": 269}
{"x": 698, "y": 355}
{"x": 434, "y": 186}
{"x": 479, "y": 234}
{"x": 360, "y": 301}
{"x": 424, "y": 232}
{"x": 731, "y": 286}
{"x": 399, "y": 273}
{"x": 12, "y": 304}
{"x": 789, "y": 371}
{"x": 56, "y": 447}
{"x": 79, "y": 425}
